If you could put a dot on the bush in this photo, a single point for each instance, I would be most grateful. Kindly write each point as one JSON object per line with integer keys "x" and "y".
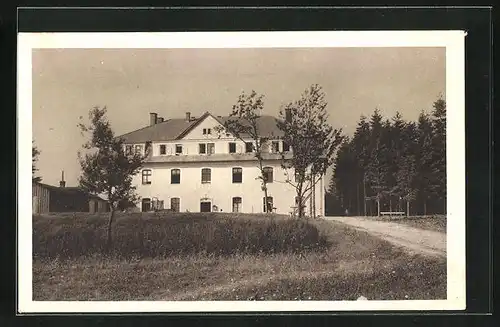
{"x": 161, "y": 235}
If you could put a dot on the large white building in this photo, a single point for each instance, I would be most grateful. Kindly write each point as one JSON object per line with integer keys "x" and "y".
{"x": 193, "y": 167}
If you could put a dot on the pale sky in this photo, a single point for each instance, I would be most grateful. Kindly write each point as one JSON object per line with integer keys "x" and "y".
{"x": 134, "y": 82}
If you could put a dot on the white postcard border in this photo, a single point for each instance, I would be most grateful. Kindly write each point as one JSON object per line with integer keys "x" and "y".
{"x": 455, "y": 97}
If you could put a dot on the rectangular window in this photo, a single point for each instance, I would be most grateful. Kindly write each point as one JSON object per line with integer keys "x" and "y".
{"x": 268, "y": 174}
{"x": 204, "y": 131}
{"x": 175, "y": 204}
{"x": 237, "y": 175}
{"x": 232, "y": 147}
{"x": 237, "y": 204}
{"x": 276, "y": 146}
{"x": 128, "y": 150}
{"x": 203, "y": 148}
{"x": 146, "y": 177}
{"x": 206, "y": 175}
{"x": 178, "y": 148}
{"x": 175, "y": 176}
{"x": 248, "y": 147}
{"x": 286, "y": 147}
{"x": 138, "y": 149}
{"x": 297, "y": 176}
{"x": 211, "y": 148}
{"x": 209, "y": 131}
{"x": 163, "y": 149}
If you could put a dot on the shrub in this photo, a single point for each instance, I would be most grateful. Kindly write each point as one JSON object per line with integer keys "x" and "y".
{"x": 161, "y": 235}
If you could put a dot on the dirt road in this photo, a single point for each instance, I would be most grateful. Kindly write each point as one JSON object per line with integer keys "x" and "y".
{"x": 414, "y": 240}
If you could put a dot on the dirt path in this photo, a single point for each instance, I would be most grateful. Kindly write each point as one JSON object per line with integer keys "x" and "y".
{"x": 412, "y": 239}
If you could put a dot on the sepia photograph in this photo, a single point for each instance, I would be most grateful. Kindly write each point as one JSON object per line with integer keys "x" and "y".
{"x": 242, "y": 171}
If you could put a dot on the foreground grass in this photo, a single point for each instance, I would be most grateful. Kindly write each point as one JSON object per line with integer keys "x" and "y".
{"x": 164, "y": 235}
{"x": 355, "y": 264}
{"x": 432, "y": 223}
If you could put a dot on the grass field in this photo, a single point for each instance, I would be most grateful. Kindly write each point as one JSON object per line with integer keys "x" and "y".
{"x": 349, "y": 264}
{"x": 434, "y": 223}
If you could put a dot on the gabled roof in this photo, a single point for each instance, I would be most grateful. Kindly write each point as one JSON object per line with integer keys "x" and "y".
{"x": 166, "y": 131}
{"x": 266, "y": 125}
{"x": 175, "y": 129}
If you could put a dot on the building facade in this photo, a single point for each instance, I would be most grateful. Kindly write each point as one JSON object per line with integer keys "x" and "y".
{"x": 193, "y": 166}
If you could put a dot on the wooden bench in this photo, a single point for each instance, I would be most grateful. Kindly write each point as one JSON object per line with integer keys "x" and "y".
{"x": 392, "y": 213}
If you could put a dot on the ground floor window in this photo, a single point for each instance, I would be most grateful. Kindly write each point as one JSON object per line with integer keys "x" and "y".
{"x": 237, "y": 204}
{"x": 146, "y": 204}
{"x": 175, "y": 204}
{"x": 269, "y": 203}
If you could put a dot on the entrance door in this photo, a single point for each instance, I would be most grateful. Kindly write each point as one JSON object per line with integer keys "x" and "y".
{"x": 146, "y": 205}
{"x": 205, "y": 206}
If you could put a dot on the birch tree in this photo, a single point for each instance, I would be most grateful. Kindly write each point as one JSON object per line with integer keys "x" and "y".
{"x": 243, "y": 122}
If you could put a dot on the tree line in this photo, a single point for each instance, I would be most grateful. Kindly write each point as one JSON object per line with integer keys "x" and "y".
{"x": 392, "y": 165}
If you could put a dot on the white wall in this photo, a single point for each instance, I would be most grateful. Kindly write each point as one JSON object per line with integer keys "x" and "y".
{"x": 221, "y": 190}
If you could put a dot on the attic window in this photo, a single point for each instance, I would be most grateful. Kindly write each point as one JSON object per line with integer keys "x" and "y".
{"x": 207, "y": 131}
{"x": 248, "y": 147}
{"x": 276, "y": 146}
{"x": 138, "y": 149}
{"x": 163, "y": 149}
{"x": 178, "y": 148}
{"x": 232, "y": 147}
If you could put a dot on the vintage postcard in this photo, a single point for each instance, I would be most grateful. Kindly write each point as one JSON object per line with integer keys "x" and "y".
{"x": 241, "y": 171}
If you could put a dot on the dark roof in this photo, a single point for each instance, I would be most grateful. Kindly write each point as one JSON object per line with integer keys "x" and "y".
{"x": 167, "y": 130}
{"x": 70, "y": 190}
{"x": 266, "y": 125}
{"x": 174, "y": 129}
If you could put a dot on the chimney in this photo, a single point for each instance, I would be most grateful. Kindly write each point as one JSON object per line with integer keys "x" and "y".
{"x": 152, "y": 118}
{"x": 159, "y": 120}
{"x": 188, "y": 116}
{"x": 288, "y": 115}
{"x": 62, "y": 183}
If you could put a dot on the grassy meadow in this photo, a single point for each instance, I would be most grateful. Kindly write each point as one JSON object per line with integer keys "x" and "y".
{"x": 222, "y": 257}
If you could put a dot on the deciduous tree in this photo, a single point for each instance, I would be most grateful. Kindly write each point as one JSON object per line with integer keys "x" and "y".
{"x": 106, "y": 168}
{"x": 243, "y": 122}
{"x": 312, "y": 140}
{"x": 35, "y": 152}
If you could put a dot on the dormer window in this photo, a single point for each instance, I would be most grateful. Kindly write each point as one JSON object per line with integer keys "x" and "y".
{"x": 178, "y": 149}
{"x": 128, "y": 150}
{"x": 163, "y": 149}
{"x": 286, "y": 147}
{"x": 232, "y": 147}
{"x": 248, "y": 147}
{"x": 276, "y": 146}
{"x": 211, "y": 148}
{"x": 202, "y": 148}
{"x": 138, "y": 149}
